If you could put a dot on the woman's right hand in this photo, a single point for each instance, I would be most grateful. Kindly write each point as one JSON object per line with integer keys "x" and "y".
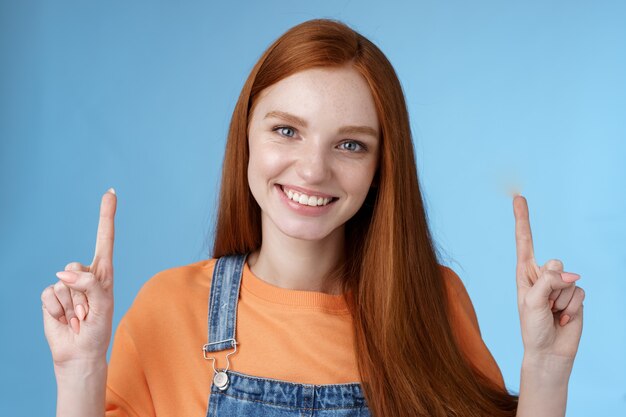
{"x": 78, "y": 309}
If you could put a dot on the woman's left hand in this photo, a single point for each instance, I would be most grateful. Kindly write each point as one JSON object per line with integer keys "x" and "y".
{"x": 549, "y": 302}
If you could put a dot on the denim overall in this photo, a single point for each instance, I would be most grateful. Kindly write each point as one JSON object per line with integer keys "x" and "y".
{"x": 237, "y": 394}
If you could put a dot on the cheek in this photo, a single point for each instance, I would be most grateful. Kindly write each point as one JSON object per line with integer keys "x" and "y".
{"x": 265, "y": 164}
{"x": 358, "y": 179}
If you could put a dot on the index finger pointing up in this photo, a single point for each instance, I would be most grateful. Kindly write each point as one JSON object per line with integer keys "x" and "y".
{"x": 106, "y": 229}
{"x": 523, "y": 236}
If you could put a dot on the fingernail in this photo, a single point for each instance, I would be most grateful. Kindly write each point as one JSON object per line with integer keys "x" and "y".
{"x": 564, "y": 319}
{"x": 63, "y": 320}
{"x": 111, "y": 190}
{"x": 68, "y": 276}
{"x": 74, "y": 324}
{"x": 569, "y": 276}
{"x": 80, "y": 312}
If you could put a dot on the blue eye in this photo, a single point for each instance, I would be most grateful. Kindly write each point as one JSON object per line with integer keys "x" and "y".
{"x": 354, "y": 146}
{"x": 283, "y": 128}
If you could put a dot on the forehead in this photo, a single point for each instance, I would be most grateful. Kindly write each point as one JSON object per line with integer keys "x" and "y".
{"x": 334, "y": 95}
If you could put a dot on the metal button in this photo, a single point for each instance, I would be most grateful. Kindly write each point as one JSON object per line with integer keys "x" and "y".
{"x": 221, "y": 380}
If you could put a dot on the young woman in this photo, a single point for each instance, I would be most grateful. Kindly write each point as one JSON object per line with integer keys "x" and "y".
{"x": 324, "y": 295}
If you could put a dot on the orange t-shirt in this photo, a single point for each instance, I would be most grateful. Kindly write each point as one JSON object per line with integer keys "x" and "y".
{"x": 157, "y": 365}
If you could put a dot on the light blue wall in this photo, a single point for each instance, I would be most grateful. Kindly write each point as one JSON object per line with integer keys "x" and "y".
{"x": 138, "y": 95}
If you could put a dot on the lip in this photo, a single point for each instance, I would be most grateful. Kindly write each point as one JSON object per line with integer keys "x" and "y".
{"x": 306, "y": 191}
{"x": 301, "y": 209}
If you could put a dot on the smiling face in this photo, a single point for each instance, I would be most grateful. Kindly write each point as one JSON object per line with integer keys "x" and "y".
{"x": 314, "y": 143}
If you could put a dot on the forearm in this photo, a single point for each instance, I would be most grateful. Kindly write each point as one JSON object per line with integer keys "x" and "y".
{"x": 81, "y": 389}
{"x": 543, "y": 387}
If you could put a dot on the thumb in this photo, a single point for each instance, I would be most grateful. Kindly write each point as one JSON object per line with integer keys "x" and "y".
{"x": 549, "y": 281}
{"x": 79, "y": 298}
{"x": 99, "y": 299}
{"x": 76, "y": 266}
{"x": 553, "y": 265}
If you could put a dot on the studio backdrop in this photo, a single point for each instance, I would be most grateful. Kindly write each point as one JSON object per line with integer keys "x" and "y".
{"x": 138, "y": 96}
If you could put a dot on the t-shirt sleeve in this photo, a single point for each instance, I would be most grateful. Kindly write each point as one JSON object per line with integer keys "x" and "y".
{"x": 127, "y": 391}
{"x": 467, "y": 331}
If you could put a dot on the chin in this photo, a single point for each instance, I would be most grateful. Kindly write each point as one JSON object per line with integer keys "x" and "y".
{"x": 302, "y": 232}
{"x": 310, "y": 235}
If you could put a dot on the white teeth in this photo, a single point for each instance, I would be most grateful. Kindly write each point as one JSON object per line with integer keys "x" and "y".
{"x": 305, "y": 199}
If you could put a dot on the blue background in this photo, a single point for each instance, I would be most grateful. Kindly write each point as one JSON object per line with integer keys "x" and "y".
{"x": 138, "y": 95}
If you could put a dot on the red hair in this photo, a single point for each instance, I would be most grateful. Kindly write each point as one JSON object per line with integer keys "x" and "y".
{"x": 409, "y": 360}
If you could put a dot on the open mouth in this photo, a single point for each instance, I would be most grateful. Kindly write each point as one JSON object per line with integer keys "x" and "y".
{"x": 305, "y": 199}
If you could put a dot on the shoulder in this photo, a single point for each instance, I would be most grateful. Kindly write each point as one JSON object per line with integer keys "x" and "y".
{"x": 197, "y": 273}
{"x": 174, "y": 286}
{"x": 466, "y": 329}
{"x": 453, "y": 284}
{"x": 451, "y": 279}
{"x": 458, "y": 297}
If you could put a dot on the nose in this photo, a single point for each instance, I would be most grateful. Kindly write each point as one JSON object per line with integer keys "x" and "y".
{"x": 313, "y": 164}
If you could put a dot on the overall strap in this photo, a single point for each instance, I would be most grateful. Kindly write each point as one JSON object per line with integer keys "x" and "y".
{"x": 223, "y": 302}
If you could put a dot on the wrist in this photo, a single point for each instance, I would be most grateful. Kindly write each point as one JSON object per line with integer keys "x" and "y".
{"x": 81, "y": 387}
{"x": 543, "y": 385}
{"x": 548, "y": 367}
{"x": 80, "y": 367}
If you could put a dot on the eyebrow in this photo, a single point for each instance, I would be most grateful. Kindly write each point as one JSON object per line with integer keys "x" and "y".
{"x": 293, "y": 119}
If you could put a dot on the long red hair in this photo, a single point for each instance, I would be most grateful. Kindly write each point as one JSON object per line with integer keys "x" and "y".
{"x": 409, "y": 359}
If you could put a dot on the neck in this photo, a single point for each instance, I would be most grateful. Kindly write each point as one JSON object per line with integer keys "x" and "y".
{"x": 299, "y": 264}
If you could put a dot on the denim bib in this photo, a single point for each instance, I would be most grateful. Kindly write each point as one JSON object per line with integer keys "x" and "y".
{"x": 237, "y": 394}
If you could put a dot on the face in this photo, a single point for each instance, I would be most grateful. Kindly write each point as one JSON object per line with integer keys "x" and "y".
{"x": 314, "y": 143}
